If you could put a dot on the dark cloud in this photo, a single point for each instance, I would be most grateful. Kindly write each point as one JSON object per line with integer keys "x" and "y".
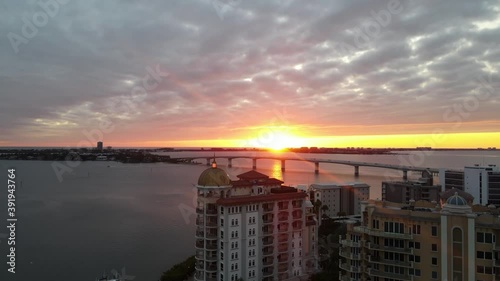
{"x": 317, "y": 59}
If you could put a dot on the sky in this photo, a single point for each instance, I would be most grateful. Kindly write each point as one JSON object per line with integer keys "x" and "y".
{"x": 260, "y": 73}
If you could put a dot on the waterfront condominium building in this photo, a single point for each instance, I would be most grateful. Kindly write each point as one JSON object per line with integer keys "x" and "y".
{"x": 453, "y": 241}
{"x": 344, "y": 198}
{"x": 482, "y": 182}
{"x": 253, "y": 228}
{"x": 404, "y": 191}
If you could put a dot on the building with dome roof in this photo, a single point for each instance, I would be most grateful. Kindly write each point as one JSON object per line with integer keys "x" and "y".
{"x": 253, "y": 228}
{"x": 450, "y": 240}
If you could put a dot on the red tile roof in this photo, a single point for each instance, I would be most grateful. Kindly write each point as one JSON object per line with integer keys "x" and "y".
{"x": 252, "y": 175}
{"x": 241, "y": 182}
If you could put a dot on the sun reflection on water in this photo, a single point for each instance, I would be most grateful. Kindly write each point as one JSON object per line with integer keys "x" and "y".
{"x": 276, "y": 171}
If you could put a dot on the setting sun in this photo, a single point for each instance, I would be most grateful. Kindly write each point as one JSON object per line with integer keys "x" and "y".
{"x": 277, "y": 139}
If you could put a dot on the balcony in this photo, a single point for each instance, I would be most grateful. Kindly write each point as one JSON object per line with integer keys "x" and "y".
{"x": 199, "y": 275}
{"x": 350, "y": 243}
{"x": 283, "y": 238}
{"x": 268, "y": 208}
{"x": 211, "y": 223}
{"x": 349, "y": 268}
{"x": 200, "y": 244}
{"x": 267, "y": 261}
{"x": 282, "y": 268}
{"x": 267, "y": 230}
{"x": 283, "y": 258}
{"x": 199, "y": 265}
{"x": 283, "y": 227}
{"x": 297, "y": 214}
{"x": 282, "y": 217}
{"x": 267, "y": 241}
{"x": 297, "y": 225}
{"x": 382, "y": 274}
{"x": 283, "y": 248}
{"x": 379, "y": 260}
{"x": 199, "y": 210}
{"x": 374, "y": 232}
{"x": 211, "y": 258}
{"x": 348, "y": 255}
{"x": 211, "y": 246}
{"x": 212, "y": 235}
{"x": 212, "y": 268}
{"x": 199, "y": 221}
{"x": 268, "y": 271}
{"x": 200, "y": 234}
{"x": 200, "y": 255}
{"x": 283, "y": 206}
{"x": 267, "y": 218}
{"x": 297, "y": 204}
{"x": 373, "y": 246}
{"x": 268, "y": 251}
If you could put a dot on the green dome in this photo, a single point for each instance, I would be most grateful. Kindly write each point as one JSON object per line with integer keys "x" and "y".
{"x": 214, "y": 177}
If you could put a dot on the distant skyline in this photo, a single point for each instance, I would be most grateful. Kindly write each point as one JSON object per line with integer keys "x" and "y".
{"x": 239, "y": 73}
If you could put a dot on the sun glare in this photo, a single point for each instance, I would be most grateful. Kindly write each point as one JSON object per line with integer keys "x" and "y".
{"x": 277, "y": 140}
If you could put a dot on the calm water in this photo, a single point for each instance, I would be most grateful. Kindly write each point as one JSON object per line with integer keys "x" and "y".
{"x": 101, "y": 218}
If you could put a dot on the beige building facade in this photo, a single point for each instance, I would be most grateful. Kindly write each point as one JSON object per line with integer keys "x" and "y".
{"x": 422, "y": 241}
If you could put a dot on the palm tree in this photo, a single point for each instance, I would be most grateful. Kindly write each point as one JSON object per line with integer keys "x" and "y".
{"x": 324, "y": 208}
{"x": 317, "y": 205}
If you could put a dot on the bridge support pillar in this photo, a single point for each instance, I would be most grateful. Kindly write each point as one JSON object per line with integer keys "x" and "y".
{"x": 230, "y": 162}
{"x": 316, "y": 168}
{"x": 356, "y": 171}
{"x": 208, "y": 161}
{"x": 405, "y": 174}
{"x": 254, "y": 166}
{"x": 282, "y": 165}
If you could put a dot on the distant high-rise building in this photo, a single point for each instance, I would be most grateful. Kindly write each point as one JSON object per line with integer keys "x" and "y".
{"x": 405, "y": 191}
{"x": 253, "y": 228}
{"x": 482, "y": 182}
{"x": 340, "y": 198}
{"x": 99, "y": 145}
{"x": 450, "y": 179}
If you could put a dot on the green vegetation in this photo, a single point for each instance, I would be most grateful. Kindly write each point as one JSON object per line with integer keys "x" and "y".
{"x": 329, "y": 233}
{"x": 180, "y": 271}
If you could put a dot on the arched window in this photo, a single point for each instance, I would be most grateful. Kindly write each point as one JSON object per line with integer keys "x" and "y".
{"x": 457, "y": 265}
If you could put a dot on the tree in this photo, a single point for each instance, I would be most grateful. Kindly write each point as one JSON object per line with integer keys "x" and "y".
{"x": 317, "y": 206}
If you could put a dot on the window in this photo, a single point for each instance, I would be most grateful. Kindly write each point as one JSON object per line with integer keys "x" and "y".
{"x": 434, "y": 247}
{"x": 417, "y": 272}
{"x": 457, "y": 262}
{"x": 482, "y": 237}
{"x": 416, "y": 229}
{"x": 434, "y": 231}
{"x": 434, "y": 275}
{"x": 434, "y": 261}
{"x": 484, "y": 255}
{"x": 394, "y": 227}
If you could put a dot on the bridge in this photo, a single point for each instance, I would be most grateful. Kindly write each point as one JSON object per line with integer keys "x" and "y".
{"x": 316, "y": 162}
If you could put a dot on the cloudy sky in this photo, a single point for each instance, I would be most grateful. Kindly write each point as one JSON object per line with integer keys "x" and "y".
{"x": 250, "y": 73}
